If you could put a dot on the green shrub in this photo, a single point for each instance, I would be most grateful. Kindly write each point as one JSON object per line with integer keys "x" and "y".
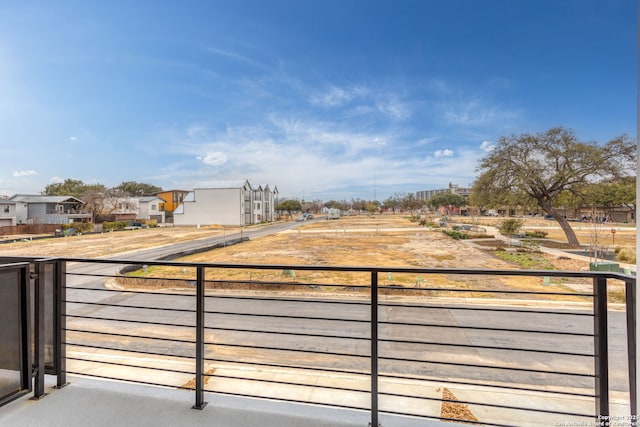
{"x": 456, "y": 235}
{"x": 536, "y": 234}
{"x": 79, "y": 227}
{"x": 510, "y": 226}
{"x": 113, "y": 225}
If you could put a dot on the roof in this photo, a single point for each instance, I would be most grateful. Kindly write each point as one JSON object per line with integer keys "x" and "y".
{"x": 172, "y": 191}
{"x": 35, "y": 198}
{"x": 239, "y": 183}
{"x": 146, "y": 199}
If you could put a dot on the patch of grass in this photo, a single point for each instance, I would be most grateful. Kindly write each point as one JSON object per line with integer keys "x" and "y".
{"x": 526, "y": 260}
{"x": 456, "y": 235}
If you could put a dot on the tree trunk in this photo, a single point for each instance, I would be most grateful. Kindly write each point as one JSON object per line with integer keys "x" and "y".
{"x": 568, "y": 231}
{"x": 572, "y": 239}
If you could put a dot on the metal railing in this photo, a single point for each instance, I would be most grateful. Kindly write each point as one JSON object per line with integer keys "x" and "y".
{"x": 428, "y": 343}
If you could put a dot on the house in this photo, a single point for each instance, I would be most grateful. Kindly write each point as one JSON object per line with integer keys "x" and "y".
{"x": 151, "y": 207}
{"x": 172, "y": 198}
{"x": 133, "y": 208}
{"x": 36, "y": 209}
{"x": 7, "y": 213}
{"x": 226, "y": 203}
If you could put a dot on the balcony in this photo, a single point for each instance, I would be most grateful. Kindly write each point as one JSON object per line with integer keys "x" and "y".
{"x": 169, "y": 343}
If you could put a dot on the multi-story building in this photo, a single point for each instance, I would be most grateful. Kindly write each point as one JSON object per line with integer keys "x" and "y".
{"x": 227, "y": 203}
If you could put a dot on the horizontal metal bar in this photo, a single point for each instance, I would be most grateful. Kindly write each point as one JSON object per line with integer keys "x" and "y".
{"x": 295, "y": 334}
{"x": 295, "y": 350}
{"x": 261, "y": 380}
{"x": 495, "y": 309}
{"x": 282, "y": 316}
{"x": 126, "y": 380}
{"x": 481, "y": 328}
{"x": 471, "y": 365}
{"x": 282, "y": 399}
{"x": 488, "y": 405}
{"x": 111, "y": 334}
{"x": 127, "y": 365}
{"x": 486, "y": 347}
{"x": 129, "y": 291}
{"x": 364, "y": 303}
{"x": 150, "y": 353}
{"x": 130, "y": 306}
{"x": 142, "y": 322}
{"x": 276, "y": 365}
{"x": 480, "y": 384}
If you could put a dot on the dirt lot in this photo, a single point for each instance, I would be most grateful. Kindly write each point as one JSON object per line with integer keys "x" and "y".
{"x": 386, "y": 240}
{"x": 110, "y": 243}
{"x": 392, "y": 241}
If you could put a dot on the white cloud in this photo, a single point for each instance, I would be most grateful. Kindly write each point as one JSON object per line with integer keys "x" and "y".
{"x": 443, "y": 153}
{"x": 214, "y": 158}
{"x": 336, "y": 96}
{"x": 19, "y": 174}
{"x": 487, "y": 146}
{"x": 474, "y": 112}
{"x": 393, "y": 108}
{"x": 56, "y": 180}
{"x": 73, "y": 138}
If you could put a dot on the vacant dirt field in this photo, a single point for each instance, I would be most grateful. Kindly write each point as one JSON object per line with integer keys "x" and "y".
{"x": 110, "y": 243}
{"x": 392, "y": 241}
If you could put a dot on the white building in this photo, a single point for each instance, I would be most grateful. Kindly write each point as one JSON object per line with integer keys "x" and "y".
{"x": 132, "y": 208}
{"x": 227, "y": 203}
{"x": 7, "y": 212}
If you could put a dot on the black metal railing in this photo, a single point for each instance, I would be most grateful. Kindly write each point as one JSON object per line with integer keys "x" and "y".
{"x": 497, "y": 346}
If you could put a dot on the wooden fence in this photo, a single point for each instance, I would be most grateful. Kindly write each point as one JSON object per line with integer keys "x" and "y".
{"x": 12, "y": 230}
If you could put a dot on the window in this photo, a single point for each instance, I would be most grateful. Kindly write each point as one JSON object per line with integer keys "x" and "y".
{"x": 6, "y": 209}
{"x": 154, "y": 207}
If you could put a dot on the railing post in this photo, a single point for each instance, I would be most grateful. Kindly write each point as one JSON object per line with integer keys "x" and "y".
{"x": 601, "y": 359}
{"x": 38, "y": 329}
{"x": 60, "y": 319}
{"x": 630, "y": 295}
{"x": 374, "y": 350}
{"x": 200, "y": 403}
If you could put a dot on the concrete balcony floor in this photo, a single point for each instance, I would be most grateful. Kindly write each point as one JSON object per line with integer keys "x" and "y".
{"x": 92, "y": 402}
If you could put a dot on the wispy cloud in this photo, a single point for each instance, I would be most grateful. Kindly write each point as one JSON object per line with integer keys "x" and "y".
{"x": 20, "y": 174}
{"x": 443, "y": 153}
{"x": 475, "y": 112}
{"x": 213, "y": 158}
{"x": 337, "y": 96}
{"x": 233, "y": 56}
{"x": 487, "y": 146}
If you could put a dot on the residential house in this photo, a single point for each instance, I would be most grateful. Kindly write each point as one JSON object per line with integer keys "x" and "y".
{"x": 7, "y": 212}
{"x": 226, "y": 203}
{"x": 172, "y": 198}
{"x": 134, "y": 208}
{"x": 36, "y": 209}
{"x": 151, "y": 207}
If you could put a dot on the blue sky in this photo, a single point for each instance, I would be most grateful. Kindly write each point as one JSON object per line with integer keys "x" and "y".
{"x": 331, "y": 99}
